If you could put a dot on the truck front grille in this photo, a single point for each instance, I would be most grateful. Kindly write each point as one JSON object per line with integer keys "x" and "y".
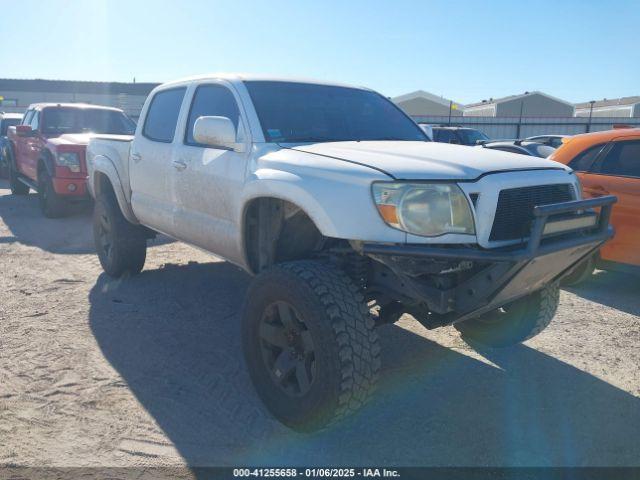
{"x": 514, "y": 213}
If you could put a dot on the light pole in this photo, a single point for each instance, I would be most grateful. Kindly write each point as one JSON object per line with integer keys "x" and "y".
{"x": 520, "y": 118}
{"x": 590, "y": 115}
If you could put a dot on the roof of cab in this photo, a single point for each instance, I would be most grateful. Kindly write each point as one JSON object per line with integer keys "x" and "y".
{"x": 247, "y": 77}
{"x": 40, "y": 106}
{"x": 607, "y": 134}
{"x": 578, "y": 143}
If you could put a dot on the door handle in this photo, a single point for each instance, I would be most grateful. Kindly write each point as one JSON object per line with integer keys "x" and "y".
{"x": 136, "y": 157}
{"x": 179, "y": 165}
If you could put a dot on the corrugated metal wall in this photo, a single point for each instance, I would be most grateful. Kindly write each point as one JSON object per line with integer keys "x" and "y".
{"x": 131, "y": 104}
{"x": 510, "y": 127}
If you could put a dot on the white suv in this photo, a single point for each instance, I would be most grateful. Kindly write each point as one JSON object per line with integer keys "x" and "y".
{"x": 348, "y": 216}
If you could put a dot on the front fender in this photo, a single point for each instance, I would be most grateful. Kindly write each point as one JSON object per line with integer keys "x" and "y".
{"x": 104, "y": 166}
{"x": 339, "y": 206}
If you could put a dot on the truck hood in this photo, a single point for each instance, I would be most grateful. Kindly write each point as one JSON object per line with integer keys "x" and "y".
{"x": 427, "y": 160}
{"x": 72, "y": 139}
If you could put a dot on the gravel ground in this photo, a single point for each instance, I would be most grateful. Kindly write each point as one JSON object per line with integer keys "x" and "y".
{"x": 148, "y": 371}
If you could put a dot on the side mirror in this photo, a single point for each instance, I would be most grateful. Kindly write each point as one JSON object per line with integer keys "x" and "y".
{"x": 215, "y": 132}
{"x": 24, "y": 131}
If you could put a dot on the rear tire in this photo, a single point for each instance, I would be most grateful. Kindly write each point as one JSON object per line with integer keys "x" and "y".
{"x": 515, "y": 322}
{"x": 16, "y": 186}
{"x": 121, "y": 246}
{"x": 309, "y": 343}
{"x": 52, "y": 205}
{"x": 4, "y": 164}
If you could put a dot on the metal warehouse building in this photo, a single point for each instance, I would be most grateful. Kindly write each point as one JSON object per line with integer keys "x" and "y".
{"x": 528, "y": 104}
{"x": 618, "y": 107}
{"x": 16, "y": 95}
{"x": 425, "y": 103}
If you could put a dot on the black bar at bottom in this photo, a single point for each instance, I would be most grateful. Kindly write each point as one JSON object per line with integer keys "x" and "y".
{"x": 405, "y": 473}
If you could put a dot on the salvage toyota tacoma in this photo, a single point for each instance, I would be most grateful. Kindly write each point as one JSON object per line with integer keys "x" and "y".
{"x": 348, "y": 216}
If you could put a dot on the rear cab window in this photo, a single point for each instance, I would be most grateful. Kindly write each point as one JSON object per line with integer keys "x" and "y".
{"x": 162, "y": 117}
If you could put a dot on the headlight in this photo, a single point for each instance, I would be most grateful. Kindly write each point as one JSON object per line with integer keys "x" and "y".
{"x": 426, "y": 209}
{"x": 70, "y": 160}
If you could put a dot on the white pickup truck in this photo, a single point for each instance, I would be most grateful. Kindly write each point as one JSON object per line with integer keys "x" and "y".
{"x": 348, "y": 216}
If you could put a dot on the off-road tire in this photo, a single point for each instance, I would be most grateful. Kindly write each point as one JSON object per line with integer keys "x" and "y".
{"x": 581, "y": 273}
{"x": 514, "y": 323}
{"x": 51, "y": 204}
{"x": 346, "y": 343}
{"x": 4, "y": 164}
{"x": 16, "y": 186}
{"x": 127, "y": 249}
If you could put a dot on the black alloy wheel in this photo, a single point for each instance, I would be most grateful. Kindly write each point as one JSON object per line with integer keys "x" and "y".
{"x": 287, "y": 348}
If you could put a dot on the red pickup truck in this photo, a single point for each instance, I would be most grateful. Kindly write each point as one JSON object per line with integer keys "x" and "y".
{"x": 47, "y": 150}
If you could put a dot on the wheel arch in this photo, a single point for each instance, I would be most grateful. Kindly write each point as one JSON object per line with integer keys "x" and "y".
{"x": 46, "y": 161}
{"x": 276, "y": 230}
{"x": 104, "y": 177}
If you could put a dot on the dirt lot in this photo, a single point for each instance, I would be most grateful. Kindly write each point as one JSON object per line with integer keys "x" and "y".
{"x": 148, "y": 371}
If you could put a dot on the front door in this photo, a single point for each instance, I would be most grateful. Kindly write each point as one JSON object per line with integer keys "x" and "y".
{"x": 33, "y": 147}
{"x": 207, "y": 181}
{"x": 150, "y": 163}
{"x": 20, "y": 143}
{"x": 617, "y": 172}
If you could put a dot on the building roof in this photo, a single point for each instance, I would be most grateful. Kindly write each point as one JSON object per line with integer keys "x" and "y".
{"x": 72, "y": 86}
{"x": 493, "y": 101}
{"x": 611, "y": 102}
{"x": 425, "y": 95}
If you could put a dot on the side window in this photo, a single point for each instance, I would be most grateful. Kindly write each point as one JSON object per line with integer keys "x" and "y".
{"x": 35, "y": 121}
{"x": 584, "y": 160}
{"x": 162, "y": 117}
{"x": 622, "y": 160}
{"x": 211, "y": 100}
{"x": 26, "y": 120}
{"x": 443, "y": 136}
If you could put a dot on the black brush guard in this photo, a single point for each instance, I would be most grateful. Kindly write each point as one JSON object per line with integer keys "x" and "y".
{"x": 513, "y": 272}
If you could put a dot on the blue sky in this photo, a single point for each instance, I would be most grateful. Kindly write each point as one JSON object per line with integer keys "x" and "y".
{"x": 462, "y": 49}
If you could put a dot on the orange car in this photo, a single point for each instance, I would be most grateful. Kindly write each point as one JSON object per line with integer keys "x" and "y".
{"x": 608, "y": 163}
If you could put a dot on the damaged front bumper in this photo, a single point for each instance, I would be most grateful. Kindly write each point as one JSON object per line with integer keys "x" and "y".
{"x": 561, "y": 235}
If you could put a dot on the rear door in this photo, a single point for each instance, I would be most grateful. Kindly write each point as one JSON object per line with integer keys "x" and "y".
{"x": 617, "y": 172}
{"x": 150, "y": 163}
{"x": 207, "y": 180}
